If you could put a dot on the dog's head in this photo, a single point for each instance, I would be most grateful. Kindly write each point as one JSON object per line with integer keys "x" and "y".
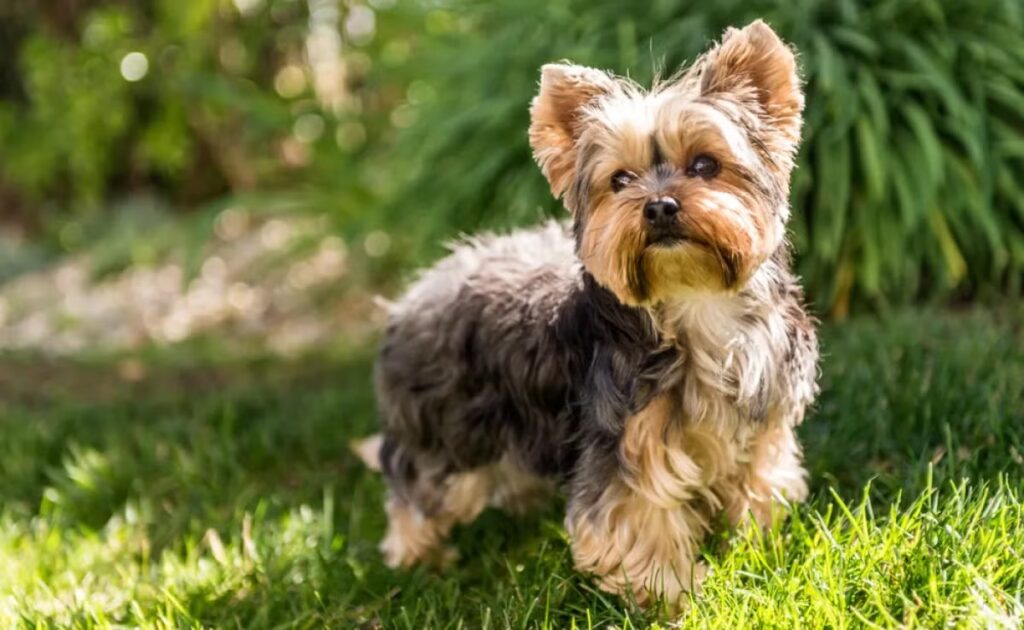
{"x": 684, "y": 186}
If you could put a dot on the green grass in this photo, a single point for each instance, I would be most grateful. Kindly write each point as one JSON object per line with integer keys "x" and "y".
{"x": 223, "y": 495}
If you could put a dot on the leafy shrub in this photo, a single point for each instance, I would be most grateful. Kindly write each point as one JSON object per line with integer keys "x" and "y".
{"x": 226, "y": 101}
{"x": 909, "y": 183}
{"x": 910, "y": 178}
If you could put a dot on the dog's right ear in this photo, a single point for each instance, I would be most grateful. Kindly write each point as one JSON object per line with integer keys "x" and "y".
{"x": 555, "y": 118}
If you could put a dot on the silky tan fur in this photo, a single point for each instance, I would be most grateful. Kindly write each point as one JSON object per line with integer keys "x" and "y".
{"x": 657, "y": 384}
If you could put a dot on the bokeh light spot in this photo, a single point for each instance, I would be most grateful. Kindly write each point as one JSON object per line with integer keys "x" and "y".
{"x": 290, "y": 81}
{"x": 134, "y": 66}
{"x": 377, "y": 243}
{"x": 308, "y": 128}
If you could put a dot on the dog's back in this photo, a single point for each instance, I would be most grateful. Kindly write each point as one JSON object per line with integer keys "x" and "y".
{"x": 474, "y": 381}
{"x": 468, "y": 348}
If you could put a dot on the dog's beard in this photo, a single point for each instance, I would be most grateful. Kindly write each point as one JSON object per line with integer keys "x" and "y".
{"x": 674, "y": 268}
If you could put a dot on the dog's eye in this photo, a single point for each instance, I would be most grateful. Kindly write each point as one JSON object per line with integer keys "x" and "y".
{"x": 703, "y": 166}
{"x": 621, "y": 179}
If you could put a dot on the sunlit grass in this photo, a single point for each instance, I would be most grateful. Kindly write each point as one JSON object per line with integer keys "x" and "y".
{"x": 224, "y": 496}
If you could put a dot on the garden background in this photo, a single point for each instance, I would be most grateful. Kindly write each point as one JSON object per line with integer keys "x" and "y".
{"x": 200, "y": 203}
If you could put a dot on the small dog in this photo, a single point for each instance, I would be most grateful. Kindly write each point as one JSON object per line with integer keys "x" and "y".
{"x": 652, "y": 359}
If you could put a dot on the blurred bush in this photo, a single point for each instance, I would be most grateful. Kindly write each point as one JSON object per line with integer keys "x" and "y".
{"x": 188, "y": 100}
{"x": 910, "y": 179}
{"x": 411, "y": 117}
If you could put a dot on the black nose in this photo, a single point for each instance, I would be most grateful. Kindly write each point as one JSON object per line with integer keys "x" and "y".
{"x": 661, "y": 211}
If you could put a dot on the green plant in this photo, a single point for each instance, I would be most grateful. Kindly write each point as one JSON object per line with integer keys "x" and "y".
{"x": 909, "y": 178}
{"x": 188, "y": 100}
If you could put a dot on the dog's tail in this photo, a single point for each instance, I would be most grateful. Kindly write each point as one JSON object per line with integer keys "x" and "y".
{"x": 368, "y": 450}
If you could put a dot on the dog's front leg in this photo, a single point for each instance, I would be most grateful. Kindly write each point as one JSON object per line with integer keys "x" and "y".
{"x": 640, "y": 533}
{"x": 773, "y": 480}
{"x": 637, "y": 548}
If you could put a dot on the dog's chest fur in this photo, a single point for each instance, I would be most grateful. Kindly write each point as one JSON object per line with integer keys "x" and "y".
{"x": 700, "y": 436}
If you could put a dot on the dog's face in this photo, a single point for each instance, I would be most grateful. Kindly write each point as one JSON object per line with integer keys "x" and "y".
{"x": 682, "y": 187}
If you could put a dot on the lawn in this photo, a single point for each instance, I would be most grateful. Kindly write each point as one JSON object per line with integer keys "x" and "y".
{"x": 170, "y": 490}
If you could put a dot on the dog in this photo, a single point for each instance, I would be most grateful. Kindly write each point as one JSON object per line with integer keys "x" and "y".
{"x": 651, "y": 358}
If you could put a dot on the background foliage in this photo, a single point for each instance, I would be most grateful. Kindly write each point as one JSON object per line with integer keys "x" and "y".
{"x": 909, "y": 180}
{"x": 235, "y": 97}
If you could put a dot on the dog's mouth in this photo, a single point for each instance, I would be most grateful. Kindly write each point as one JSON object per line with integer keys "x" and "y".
{"x": 669, "y": 236}
{"x": 675, "y": 238}
{"x": 667, "y": 241}
{"x": 665, "y": 235}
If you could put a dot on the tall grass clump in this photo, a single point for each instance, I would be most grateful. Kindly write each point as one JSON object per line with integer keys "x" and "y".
{"x": 910, "y": 180}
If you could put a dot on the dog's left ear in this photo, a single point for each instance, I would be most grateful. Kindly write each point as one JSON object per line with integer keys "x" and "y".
{"x": 756, "y": 64}
{"x": 556, "y": 121}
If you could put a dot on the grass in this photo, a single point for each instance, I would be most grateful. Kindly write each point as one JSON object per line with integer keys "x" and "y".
{"x": 177, "y": 492}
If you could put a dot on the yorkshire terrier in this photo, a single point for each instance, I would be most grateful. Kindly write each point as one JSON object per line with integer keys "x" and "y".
{"x": 651, "y": 360}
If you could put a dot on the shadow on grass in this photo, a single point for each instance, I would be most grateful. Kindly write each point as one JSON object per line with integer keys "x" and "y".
{"x": 82, "y": 439}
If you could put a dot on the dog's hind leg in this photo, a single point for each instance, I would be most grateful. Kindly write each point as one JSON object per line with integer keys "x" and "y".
{"x": 424, "y": 503}
{"x": 517, "y": 491}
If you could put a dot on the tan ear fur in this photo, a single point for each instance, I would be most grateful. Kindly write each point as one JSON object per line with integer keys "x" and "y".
{"x": 555, "y": 118}
{"x": 754, "y": 58}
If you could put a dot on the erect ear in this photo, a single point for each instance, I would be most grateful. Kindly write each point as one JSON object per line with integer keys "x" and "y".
{"x": 755, "y": 63}
{"x": 555, "y": 118}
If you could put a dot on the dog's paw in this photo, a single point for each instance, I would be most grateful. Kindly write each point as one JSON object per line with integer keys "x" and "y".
{"x": 401, "y": 556}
